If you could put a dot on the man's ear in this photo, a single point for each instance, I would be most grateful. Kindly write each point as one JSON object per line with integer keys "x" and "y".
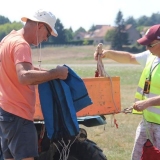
{"x": 40, "y": 25}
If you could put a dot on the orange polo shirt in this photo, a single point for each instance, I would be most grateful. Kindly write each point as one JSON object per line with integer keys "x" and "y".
{"x": 15, "y": 98}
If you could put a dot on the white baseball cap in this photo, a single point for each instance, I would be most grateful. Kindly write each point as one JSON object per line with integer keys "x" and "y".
{"x": 43, "y": 16}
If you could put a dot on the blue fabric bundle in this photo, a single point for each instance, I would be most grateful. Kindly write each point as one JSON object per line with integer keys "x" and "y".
{"x": 60, "y": 100}
{"x": 78, "y": 90}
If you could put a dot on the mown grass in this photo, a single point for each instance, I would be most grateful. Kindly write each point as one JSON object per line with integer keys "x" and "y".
{"x": 116, "y": 143}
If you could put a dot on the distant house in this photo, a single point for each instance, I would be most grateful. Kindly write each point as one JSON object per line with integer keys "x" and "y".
{"x": 98, "y": 36}
{"x": 80, "y": 36}
{"x": 133, "y": 34}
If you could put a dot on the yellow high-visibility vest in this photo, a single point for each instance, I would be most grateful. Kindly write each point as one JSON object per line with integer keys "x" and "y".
{"x": 152, "y": 113}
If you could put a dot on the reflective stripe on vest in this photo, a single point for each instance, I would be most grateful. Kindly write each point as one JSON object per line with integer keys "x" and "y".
{"x": 151, "y": 114}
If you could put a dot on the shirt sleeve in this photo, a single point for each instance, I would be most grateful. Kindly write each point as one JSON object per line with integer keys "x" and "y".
{"x": 141, "y": 58}
{"x": 22, "y": 53}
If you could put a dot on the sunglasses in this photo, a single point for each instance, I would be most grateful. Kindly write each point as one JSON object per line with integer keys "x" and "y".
{"x": 49, "y": 33}
{"x": 152, "y": 45}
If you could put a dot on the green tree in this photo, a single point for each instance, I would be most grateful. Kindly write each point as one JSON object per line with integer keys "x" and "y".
{"x": 80, "y": 29}
{"x": 154, "y": 19}
{"x": 8, "y": 27}
{"x": 85, "y": 42}
{"x": 120, "y": 37}
{"x": 131, "y": 20}
{"x": 143, "y": 21}
{"x": 4, "y": 20}
{"x": 61, "y": 38}
{"x": 69, "y": 34}
{"x": 93, "y": 28}
{"x": 119, "y": 18}
{"x": 109, "y": 35}
{"x": 149, "y": 21}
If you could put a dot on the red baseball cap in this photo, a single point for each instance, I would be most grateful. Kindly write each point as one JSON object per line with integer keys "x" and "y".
{"x": 152, "y": 34}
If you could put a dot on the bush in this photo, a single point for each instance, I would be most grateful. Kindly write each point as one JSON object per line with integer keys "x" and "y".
{"x": 136, "y": 48}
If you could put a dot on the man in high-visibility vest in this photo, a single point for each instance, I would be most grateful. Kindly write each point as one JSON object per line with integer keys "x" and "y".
{"x": 147, "y": 97}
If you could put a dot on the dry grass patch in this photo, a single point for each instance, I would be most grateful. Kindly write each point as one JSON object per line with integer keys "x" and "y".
{"x": 65, "y": 55}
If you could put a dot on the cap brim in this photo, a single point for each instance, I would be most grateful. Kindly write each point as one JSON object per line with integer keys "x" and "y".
{"x": 144, "y": 41}
{"x": 53, "y": 33}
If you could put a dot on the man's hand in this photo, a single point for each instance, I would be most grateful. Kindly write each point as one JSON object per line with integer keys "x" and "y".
{"x": 141, "y": 105}
{"x": 62, "y": 72}
{"x": 96, "y": 53}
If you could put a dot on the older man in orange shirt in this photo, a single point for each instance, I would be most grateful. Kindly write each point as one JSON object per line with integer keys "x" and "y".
{"x": 17, "y": 79}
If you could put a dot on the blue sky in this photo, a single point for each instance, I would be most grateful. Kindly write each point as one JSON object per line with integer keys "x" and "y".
{"x": 81, "y": 13}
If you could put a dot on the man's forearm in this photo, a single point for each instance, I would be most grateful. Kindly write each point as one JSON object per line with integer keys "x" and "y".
{"x": 154, "y": 101}
{"x": 33, "y": 77}
{"x": 121, "y": 56}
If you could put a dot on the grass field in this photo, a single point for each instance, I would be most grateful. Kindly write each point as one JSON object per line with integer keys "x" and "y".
{"x": 116, "y": 143}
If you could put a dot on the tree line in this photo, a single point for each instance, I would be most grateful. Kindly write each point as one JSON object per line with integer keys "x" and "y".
{"x": 118, "y": 36}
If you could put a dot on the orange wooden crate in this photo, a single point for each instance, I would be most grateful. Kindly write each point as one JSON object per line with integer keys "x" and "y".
{"x": 105, "y": 95}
